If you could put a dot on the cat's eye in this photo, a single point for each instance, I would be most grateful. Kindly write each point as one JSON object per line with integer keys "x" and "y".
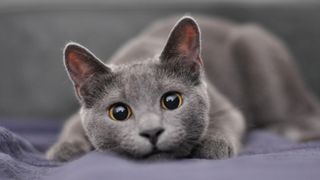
{"x": 119, "y": 112}
{"x": 171, "y": 100}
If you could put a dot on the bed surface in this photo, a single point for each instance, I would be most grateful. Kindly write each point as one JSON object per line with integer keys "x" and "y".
{"x": 265, "y": 156}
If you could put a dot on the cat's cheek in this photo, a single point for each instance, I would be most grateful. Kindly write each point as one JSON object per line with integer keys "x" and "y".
{"x": 97, "y": 129}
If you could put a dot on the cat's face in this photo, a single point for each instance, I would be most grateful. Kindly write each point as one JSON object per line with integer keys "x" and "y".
{"x": 159, "y": 106}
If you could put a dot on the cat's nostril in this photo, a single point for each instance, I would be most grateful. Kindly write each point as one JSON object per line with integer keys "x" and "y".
{"x": 159, "y": 132}
{"x": 152, "y": 134}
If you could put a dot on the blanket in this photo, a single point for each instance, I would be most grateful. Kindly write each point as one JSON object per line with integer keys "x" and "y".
{"x": 264, "y": 156}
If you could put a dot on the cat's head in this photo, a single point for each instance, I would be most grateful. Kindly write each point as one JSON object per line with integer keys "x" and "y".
{"x": 158, "y": 106}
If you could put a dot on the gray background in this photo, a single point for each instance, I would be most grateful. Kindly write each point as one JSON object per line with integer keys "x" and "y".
{"x": 33, "y": 83}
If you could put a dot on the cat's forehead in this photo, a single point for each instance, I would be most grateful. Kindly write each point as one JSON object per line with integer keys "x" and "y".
{"x": 143, "y": 82}
{"x": 137, "y": 77}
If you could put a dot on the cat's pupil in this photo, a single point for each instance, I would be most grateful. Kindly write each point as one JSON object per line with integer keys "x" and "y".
{"x": 120, "y": 112}
{"x": 171, "y": 100}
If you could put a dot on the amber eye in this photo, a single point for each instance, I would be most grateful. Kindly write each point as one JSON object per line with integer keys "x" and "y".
{"x": 119, "y": 112}
{"x": 171, "y": 100}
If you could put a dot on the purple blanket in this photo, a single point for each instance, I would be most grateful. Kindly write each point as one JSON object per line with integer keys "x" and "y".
{"x": 265, "y": 156}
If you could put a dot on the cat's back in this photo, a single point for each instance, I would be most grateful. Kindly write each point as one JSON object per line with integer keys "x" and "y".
{"x": 151, "y": 41}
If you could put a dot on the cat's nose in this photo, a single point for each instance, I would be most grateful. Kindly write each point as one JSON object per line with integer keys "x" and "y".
{"x": 152, "y": 134}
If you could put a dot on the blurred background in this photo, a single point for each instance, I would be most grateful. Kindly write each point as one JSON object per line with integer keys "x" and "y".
{"x": 35, "y": 91}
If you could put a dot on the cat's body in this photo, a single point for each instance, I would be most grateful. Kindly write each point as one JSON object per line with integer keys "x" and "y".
{"x": 250, "y": 82}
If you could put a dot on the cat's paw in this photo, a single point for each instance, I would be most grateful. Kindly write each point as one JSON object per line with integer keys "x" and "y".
{"x": 215, "y": 149}
{"x": 66, "y": 151}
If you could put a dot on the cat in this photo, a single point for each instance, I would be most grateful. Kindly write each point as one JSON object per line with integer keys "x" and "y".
{"x": 186, "y": 95}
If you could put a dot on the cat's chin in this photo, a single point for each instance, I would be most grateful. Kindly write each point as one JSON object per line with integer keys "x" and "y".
{"x": 156, "y": 156}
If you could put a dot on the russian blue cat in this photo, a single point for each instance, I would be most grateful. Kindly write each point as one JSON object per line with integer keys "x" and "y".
{"x": 186, "y": 95}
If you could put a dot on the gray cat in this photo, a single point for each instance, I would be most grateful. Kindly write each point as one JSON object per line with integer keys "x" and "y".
{"x": 185, "y": 98}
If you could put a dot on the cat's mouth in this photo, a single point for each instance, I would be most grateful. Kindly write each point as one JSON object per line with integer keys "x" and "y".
{"x": 157, "y": 153}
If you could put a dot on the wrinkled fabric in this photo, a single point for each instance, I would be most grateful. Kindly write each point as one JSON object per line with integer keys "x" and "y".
{"x": 264, "y": 156}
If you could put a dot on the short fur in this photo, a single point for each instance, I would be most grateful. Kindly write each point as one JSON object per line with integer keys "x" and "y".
{"x": 247, "y": 79}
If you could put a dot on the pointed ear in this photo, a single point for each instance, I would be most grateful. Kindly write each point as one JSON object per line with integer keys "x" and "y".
{"x": 81, "y": 64}
{"x": 184, "y": 41}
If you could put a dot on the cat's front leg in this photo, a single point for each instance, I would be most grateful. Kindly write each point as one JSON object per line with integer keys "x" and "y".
{"x": 68, "y": 150}
{"x": 223, "y": 137}
{"x": 214, "y": 149}
{"x": 72, "y": 143}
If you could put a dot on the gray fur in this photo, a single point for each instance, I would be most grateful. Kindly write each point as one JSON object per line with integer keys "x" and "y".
{"x": 248, "y": 80}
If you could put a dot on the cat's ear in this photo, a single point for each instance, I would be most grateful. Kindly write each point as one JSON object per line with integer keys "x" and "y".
{"x": 81, "y": 64}
{"x": 183, "y": 42}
